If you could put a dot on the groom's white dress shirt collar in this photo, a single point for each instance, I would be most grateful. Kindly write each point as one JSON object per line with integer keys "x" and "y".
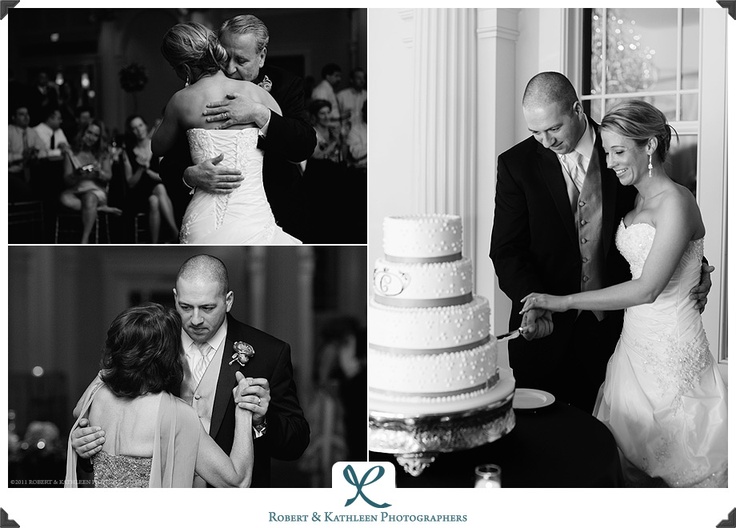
{"x": 215, "y": 342}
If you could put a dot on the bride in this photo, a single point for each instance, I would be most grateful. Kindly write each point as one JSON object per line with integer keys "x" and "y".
{"x": 662, "y": 397}
{"x": 243, "y": 216}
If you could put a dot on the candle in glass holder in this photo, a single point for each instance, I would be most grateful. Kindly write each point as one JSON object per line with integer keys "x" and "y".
{"x": 488, "y": 476}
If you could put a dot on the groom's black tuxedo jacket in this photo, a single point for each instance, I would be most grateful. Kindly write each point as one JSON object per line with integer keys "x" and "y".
{"x": 287, "y": 431}
{"x": 290, "y": 139}
{"x": 534, "y": 248}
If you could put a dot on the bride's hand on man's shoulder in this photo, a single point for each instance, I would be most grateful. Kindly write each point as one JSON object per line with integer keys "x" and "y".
{"x": 212, "y": 177}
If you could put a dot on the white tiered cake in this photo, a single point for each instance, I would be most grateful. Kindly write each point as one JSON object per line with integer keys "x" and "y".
{"x": 430, "y": 348}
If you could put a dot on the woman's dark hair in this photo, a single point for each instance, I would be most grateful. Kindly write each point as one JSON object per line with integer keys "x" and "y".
{"x": 318, "y": 104}
{"x": 129, "y": 138}
{"x": 130, "y": 119}
{"x": 640, "y": 121}
{"x": 142, "y": 352}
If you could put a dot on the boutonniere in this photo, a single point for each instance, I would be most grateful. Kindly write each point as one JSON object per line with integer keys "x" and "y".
{"x": 243, "y": 353}
{"x": 266, "y": 83}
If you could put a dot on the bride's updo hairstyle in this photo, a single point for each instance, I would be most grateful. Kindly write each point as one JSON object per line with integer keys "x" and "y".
{"x": 193, "y": 51}
{"x": 142, "y": 352}
{"x": 640, "y": 121}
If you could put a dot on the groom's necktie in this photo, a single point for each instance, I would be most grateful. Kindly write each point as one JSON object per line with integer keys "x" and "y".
{"x": 201, "y": 360}
{"x": 576, "y": 166}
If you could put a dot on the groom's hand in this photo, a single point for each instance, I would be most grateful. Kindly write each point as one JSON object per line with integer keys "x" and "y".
{"x": 537, "y": 324}
{"x": 87, "y": 440}
{"x": 212, "y": 177}
{"x": 700, "y": 292}
{"x": 237, "y": 109}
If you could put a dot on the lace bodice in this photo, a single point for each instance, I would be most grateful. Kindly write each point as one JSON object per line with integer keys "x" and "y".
{"x": 635, "y": 242}
{"x": 243, "y": 216}
{"x": 121, "y": 471}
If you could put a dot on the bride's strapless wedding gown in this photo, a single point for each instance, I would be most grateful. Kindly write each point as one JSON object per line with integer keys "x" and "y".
{"x": 663, "y": 398}
{"x": 243, "y": 216}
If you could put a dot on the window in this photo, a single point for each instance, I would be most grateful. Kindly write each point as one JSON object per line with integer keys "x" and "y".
{"x": 649, "y": 54}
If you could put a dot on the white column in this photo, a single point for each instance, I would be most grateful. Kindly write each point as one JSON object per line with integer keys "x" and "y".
{"x": 445, "y": 114}
{"x": 497, "y": 107}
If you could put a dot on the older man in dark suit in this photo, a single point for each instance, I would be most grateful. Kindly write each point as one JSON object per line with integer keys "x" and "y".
{"x": 557, "y": 210}
{"x": 286, "y": 139}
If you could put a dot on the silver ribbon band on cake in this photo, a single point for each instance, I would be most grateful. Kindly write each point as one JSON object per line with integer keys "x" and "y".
{"x": 423, "y": 303}
{"x": 417, "y": 351}
{"x": 424, "y": 260}
{"x": 490, "y": 382}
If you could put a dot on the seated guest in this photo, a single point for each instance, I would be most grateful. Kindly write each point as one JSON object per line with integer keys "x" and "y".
{"x": 87, "y": 171}
{"x": 351, "y": 99}
{"x": 24, "y": 148}
{"x": 146, "y": 192}
{"x": 357, "y": 142}
{"x": 325, "y": 90}
{"x": 50, "y": 132}
{"x": 324, "y": 178}
{"x": 329, "y": 144}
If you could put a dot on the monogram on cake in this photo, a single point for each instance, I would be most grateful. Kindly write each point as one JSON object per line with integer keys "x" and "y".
{"x": 431, "y": 352}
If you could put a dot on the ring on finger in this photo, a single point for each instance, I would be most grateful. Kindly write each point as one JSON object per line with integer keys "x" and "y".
{"x": 259, "y": 402}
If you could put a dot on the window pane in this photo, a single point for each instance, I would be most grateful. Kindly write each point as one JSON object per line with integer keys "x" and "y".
{"x": 681, "y": 164}
{"x": 666, "y": 103}
{"x": 641, "y": 50}
{"x": 690, "y": 47}
{"x": 596, "y": 52}
{"x": 596, "y": 110}
{"x": 689, "y": 107}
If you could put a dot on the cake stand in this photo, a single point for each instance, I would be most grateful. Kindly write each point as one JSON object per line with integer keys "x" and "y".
{"x": 416, "y": 439}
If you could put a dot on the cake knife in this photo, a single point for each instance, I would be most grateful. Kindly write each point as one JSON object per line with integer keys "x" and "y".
{"x": 511, "y": 335}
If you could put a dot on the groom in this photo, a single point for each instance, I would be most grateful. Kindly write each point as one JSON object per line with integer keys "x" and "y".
{"x": 210, "y": 335}
{"x": 286, "y": 139}
{"x": 557, "y": 209}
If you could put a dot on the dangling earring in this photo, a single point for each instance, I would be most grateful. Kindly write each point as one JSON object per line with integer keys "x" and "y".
{"x": 650, "y": 165}
{"x": 186, "y": 83}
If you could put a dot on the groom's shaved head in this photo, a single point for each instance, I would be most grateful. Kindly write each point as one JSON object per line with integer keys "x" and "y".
{"x": 549, "y": 88}
{"x": 205, "y": 268}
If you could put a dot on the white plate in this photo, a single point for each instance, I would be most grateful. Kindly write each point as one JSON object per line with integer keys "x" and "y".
{"x": 532, "y": 399}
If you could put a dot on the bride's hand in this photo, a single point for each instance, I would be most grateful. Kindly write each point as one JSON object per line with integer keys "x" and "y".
{"x": 553, "y": 303}
{"x": 238, "y": 391}
{"x": 212, "y": 177}
{"x": 237, "y": 109}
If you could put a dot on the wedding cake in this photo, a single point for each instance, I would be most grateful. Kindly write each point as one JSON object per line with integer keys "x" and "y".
{"x": 430, "y": 347}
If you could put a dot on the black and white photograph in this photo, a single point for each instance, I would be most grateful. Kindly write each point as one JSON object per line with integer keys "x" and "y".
{"x": 553, "y": 260}
{"x": 518, "y": 316}
{"x": 193, "y": 126}
{"x": 99, "y": 334}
